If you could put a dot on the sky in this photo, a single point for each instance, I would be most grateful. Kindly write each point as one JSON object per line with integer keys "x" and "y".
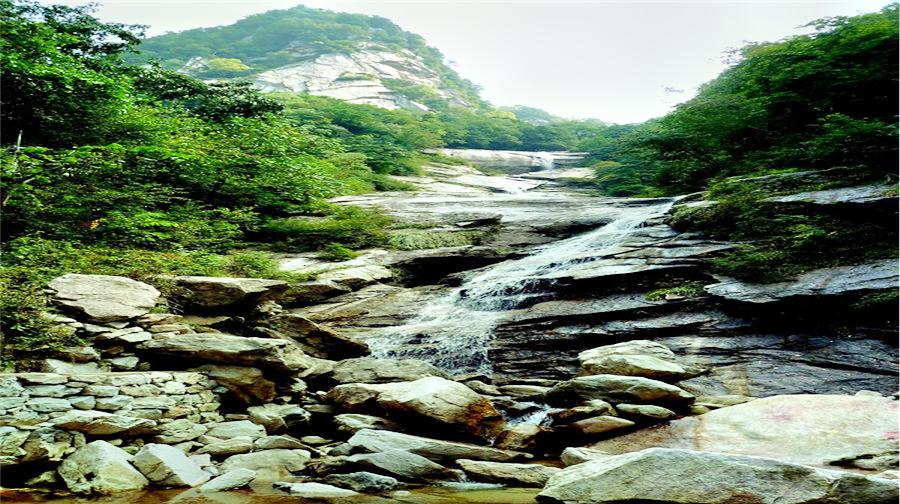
{"x": 619, "y": 61}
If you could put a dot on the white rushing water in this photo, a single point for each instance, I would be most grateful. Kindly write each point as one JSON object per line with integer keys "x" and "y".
{"x": 454, "y": 331}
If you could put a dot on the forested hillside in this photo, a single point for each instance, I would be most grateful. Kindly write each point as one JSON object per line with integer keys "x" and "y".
{"x": 820, "y": 100}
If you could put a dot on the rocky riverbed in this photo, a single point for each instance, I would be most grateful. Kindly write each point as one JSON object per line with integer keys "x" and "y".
{"x": 547, "y": 358}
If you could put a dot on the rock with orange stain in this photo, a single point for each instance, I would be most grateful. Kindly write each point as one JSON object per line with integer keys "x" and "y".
{"x": 858, "y": 432}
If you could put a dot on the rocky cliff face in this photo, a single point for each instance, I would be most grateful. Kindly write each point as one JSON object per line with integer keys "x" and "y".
{"x": 359, "y": 77}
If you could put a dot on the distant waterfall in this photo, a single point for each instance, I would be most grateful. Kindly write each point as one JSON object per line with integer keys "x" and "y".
{"x": 455, "y": 330}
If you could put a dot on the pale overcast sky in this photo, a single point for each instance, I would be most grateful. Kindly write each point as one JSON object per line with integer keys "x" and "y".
{"x": 620, "y": 61}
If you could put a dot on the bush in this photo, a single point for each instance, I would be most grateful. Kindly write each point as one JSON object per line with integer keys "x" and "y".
{"x": 414, "y": 239}
{"x": 337, "y": 252}
{"x": 31, "y": 262}
{"x": 687, "y": 289}
{"x": 351, "y": 227}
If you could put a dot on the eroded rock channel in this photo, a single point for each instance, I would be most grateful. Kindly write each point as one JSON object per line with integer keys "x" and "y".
{"x": 547, "y": 357}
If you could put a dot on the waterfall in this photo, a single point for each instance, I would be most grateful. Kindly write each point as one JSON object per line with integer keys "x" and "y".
{"x": 454, "y": 331}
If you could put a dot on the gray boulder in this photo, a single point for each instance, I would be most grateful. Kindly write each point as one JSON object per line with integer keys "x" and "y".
{"x": 668, "y": 476}
{"x": 99, "y": 423}
{"x": 231, "y": 446}
{"x": 378, "y": 370}
{"x": 273, "y": 354}
{"x": 270, "y": 465}
{"x": 363, "y": 481}
{"x": 354, "y": 422}
{"x": 316, "y": 340}
{"x": 436, "y": 401}
{"x": 99, "y": 467}
{"x": 816, "y": 430}
{"x": 630, "y": 389}
{"x": 218, "y": 292}
{"x": 434, "y": 449}
{"x": 634, "y": 358}
{"x": 168, "y": 466}
{"x": 103, "y": 298}
{"x": 247, "y": 384}
{"x": 874, "y": 275}
{"x": 518, "y": 475}
{"x": 236, "y": 428}
{"x": 232, "y": 480}
{"x": 404, "y": 465}
{"x": 313, "y": 490}
{"x": 278, "y": 417}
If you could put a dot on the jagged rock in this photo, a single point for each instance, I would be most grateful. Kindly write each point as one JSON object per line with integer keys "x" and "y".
{"x": 524, "y": 392}
{"x": 273, "y": 442}
{"x": 435, "y": 449}
{"x": 99, "y": 423}
{"x": 594, "y": 407}
{"x": 246, "y": 383}
{"x": 863, "y": 195}
{"x": 179, "y": 431}
{"x": 619, "y": 389}
{"x": 817, "y": 430}
{"x": 237, "y": 428}
{"x": 522, "y": 437}
{"x": 356, "y": 277}
{"x": 231, "y": 480}
{"x": 314, "y": 490}
{"x": 317, "y": 340}
{"x": 634, "y": 358}
{"x": 232, "y": 446}
{"x": 435, "y": 400}
{"x": 277, "y": 355}
{"x": 518, "y": 475}
{"x": 772, "y": 364}
{"x": 576, "y": 455}
{"x": 168, "y": 466}
{"x": 379, "y": 370}
{"x": 278, "y": 417}
{"x": 270, "y": 465}
{"x": 99, "y": 467}
{"x": 687, "y": 477}
{"x": 45, "y": 444}
{"x": 599, "y": 425}
{"x": 363, "y": 481}
{"x": 354, "y": 422}
{"x": 219, "y": 292}
{"x": 103, "y": 298}
{"x": 404, "y": 465}
{"x": 874, "y": 275}
{"x": 645, "y": 412}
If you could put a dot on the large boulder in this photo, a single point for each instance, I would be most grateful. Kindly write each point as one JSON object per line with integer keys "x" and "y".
{"x": 379, "y": 370}
{"x": 436, "y": 401}
{"x": 234, "y": 479}
{"x": 247, "y": 384}
{"x": 278, "y": 417}
{"x": 519, "y": 475}
{"x": 363, "y": 481}
{"x": 404, "y": 465}
{"x": 874, "y": 275}
{"x": 312, "y": 490}
{"x": 272, "y": 354}
{"x": 634, "y": 358}
{"x": 99, "y": 467}
{"x": 168, "y": 466}
{"x": 219, "y": 292}
{"x": 667, "y": 476}
{"x": 99, "y": 423}
{"x": 316, "y": 340}
{"x": 270, "y": 465}
{"x": 629, "y": 389}
{"x": 816, "y": 430}
{"x": 103, "y": 298}
{"x": 434, "y": 449}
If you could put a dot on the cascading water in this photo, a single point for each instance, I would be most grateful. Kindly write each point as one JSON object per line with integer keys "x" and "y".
{"x": 454, "y": 331}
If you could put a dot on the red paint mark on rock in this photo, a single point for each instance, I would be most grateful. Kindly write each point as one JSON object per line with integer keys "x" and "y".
{"x": 892, "y": 435}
